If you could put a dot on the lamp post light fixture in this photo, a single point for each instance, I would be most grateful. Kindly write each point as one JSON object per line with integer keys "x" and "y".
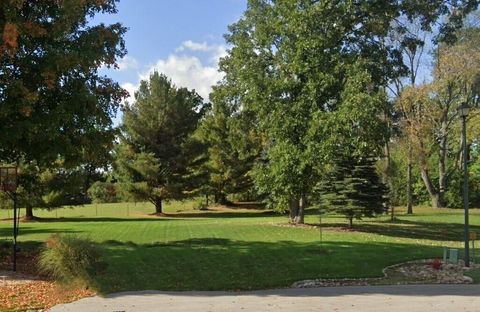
{"x": 463, "y": 112}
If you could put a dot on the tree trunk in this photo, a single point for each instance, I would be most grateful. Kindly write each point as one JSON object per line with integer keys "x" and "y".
{"x": 293, "y": 205}
{"x": 297, "y": 209}
{"x": 206, "y": 199}
{"x": 350, "y": 222}
{"x": 388, "y": 174}
{"x": 434, "y": 195}
{"x": 409, "y": 182}
{"x": 221, "y": 199}
{"x": 158, "y": 206}
{"x": 302, "y": 204}
{"x": 29, "y": 212}
{"x": 442, "y": 155}
{"x": 437, "y": 202}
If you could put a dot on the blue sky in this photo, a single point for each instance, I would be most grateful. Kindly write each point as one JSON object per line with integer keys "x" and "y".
{"x": 181, "y": 38}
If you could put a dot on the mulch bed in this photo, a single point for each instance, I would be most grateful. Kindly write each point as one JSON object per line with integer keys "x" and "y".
{"x": 37, "y": 295}
{"x": 26, "y": 289}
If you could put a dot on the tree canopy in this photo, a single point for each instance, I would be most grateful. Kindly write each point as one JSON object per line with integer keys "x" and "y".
{"x": 311, "y": 72}
{"x": 55, "y": 106}
{"x": 54, "y": 102}
{"x": 158, "y": 153}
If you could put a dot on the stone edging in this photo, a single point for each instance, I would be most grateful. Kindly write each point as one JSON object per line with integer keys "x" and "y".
{"x": 450, "y": 274}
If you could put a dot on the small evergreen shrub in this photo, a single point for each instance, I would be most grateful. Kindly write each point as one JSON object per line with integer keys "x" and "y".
{"x": 71, "y": 259}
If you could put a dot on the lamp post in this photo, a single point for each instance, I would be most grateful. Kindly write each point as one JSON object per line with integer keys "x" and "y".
{"x": 463, "y": 112}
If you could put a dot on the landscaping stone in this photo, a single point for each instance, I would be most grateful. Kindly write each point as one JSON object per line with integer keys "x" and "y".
{"x": 415, "y": 272}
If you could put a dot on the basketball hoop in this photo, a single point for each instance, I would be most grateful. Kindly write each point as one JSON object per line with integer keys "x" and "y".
{"x": 8, "y": 179}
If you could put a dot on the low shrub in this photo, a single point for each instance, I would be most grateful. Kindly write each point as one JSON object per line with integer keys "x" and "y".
{"x": 71, "y": 259}
{"x": 104, "y": 192}
{"x": 201, "y": 206}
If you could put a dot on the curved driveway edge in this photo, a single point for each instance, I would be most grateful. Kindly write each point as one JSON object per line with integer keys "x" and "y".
{"x": 398, "y": 298}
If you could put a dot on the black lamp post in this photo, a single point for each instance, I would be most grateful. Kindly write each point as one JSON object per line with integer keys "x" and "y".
{"x": 463, "y": 112}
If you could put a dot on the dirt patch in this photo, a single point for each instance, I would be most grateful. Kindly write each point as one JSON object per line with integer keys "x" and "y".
{"x": 159, "y": 214}
{"x": 26, "y": 263}
{"x": 11, "y": 278}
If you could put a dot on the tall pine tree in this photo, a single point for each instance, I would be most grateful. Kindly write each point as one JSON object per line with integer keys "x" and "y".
{"x": 158, "y": 156}
{"x": 233, "y": 146}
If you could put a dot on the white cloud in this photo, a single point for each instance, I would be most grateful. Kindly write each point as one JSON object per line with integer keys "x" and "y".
{"x": 131, "y": 88}
{"x": 186, "y": 69}
{"x": 126, "y": 63}
{"x": 194, "y": 46}
{"x": 216, "y": 51}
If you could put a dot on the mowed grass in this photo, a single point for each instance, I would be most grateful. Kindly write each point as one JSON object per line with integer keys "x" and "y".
{"x": 243, "y": 249}
{"x": 475, "y": 275}
{"x": 117, "y": 210}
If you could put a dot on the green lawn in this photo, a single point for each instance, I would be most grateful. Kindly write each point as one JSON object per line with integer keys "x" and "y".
{"x": 117, "y": 210}
{"x": 244, "y": 249}
{"x": 475, "y": 275}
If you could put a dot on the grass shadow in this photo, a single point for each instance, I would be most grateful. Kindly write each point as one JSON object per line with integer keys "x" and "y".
{"x": 224, "y": 214}
{"x": 153, "y": 218}
{"x": 7, "y": 232}
{"x": 438, "y": 231}
{"x": 224, "y": 264}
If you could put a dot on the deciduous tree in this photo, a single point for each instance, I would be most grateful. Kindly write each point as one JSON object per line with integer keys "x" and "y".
{"x": 53, "y": 101}
{"x": 430, "y": 111}
{"x": 291, "y": 63}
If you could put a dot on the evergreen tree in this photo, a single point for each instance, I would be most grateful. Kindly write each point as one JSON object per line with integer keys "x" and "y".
{"x": 354, "y": 189}
{"x": 158, "y": 155}
{"x": 232, "y": 149}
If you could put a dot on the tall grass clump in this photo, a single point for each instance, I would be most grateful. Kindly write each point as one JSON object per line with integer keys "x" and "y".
{"x": 71, "y": 259}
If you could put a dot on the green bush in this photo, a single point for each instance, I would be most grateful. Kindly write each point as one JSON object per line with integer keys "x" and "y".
{"x": 201, "y": 205}
{"x": 71, "y": 259}
{"x": 103, "y": 192}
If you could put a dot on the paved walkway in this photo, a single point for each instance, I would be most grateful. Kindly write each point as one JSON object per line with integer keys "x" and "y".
{"x": 402, "y": 298}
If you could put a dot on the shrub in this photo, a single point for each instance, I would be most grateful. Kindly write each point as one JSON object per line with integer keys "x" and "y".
{"x": 70, "y": 259}
{"x": 201, "y": 205}
{"x": 103, "y": 192}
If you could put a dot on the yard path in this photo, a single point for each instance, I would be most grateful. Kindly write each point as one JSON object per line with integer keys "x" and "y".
{"x": 398, "y": 298}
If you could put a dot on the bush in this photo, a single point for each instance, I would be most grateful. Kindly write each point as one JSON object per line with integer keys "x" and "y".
{"x": 201, "y": 206}
{"x": 71, "y": 259}
{"x": 103, "y": 192}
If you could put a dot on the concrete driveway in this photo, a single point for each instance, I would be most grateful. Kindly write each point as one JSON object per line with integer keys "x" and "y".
{"x": 401, "y": 298}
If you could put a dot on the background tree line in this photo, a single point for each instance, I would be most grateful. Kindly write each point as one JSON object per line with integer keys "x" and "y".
{"x": 322, "y": 104}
